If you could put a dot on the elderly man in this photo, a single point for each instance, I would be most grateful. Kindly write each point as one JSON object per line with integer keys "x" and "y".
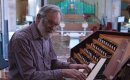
{"x": 31, "y": 55}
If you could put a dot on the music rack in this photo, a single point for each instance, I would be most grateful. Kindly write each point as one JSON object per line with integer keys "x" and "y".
{"x": 100, "y": 49}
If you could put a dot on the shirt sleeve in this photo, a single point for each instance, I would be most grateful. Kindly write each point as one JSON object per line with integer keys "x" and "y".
{"x": 25, "y": 64}
{"x": 56, "y": 64}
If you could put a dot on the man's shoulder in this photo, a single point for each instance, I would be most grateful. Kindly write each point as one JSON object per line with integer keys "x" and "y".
{"x": 24, "y": 33}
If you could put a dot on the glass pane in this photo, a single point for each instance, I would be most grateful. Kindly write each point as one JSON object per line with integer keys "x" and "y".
{"x": 0, "y": 31}
{"x": 0, "y": 18}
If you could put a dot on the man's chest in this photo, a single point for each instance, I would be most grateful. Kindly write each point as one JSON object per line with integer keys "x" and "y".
{"x": 41, "y": 53}
{"x": 40, "y": 46}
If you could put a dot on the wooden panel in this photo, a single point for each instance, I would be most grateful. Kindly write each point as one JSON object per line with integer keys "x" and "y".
{"x": 71, "y": 26}
{"x": 73, "y": 16}
{"x": 113, "y": 66}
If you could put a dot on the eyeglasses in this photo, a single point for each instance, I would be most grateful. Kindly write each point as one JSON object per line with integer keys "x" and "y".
{"x": 52, "y": 23}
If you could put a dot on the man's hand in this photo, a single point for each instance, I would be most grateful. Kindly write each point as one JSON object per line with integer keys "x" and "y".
{"x": 73, "y": 73}
{"x": 80, "y": 66}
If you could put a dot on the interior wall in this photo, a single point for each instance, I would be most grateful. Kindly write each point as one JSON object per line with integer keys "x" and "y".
{"x": 101, "y": 9}
{"x": 21, "y": 10}
{"x": 124, "y": 12}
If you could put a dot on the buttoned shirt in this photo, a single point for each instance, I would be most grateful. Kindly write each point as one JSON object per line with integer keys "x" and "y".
{"x": 32, "y": 57}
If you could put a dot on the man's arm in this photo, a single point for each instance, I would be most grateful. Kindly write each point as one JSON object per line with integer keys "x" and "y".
{"x": 56, "y": 64}
{"x": 26, "y": 66}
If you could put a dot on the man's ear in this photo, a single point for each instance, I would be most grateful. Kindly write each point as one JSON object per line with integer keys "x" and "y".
{"x": 38, "y": 18}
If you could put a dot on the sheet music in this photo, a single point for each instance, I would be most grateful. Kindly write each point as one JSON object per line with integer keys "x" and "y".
{"x": 96, "y": 69}
{"x": 91, "y": 65}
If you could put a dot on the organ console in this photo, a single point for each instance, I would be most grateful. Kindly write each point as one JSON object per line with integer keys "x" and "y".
{"x": 105, "y": 52}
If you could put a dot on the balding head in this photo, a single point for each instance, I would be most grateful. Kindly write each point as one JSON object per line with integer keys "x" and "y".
{"x": 48, "y": 8}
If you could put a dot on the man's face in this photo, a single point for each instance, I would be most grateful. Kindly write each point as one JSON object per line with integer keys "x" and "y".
{"x": 52, "y": 22}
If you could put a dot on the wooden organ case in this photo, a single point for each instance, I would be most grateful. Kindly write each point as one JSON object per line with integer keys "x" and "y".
{"x": 106, "y": 53}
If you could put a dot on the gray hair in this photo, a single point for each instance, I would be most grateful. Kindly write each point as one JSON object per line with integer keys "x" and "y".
{"x": 44, "y": 10}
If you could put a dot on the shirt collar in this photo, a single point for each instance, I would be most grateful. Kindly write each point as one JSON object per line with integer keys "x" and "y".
{"x": 35, "y": 32}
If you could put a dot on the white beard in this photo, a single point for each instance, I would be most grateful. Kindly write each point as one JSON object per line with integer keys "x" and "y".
{"x": 42, "y": 31}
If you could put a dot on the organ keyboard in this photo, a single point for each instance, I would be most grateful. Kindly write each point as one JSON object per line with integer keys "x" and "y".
{"x": 104, "y": 52}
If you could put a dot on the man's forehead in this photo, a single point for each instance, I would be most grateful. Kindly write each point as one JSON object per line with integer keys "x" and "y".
{"x": 55, "y": 17}
{"x": 53, "y": 14}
